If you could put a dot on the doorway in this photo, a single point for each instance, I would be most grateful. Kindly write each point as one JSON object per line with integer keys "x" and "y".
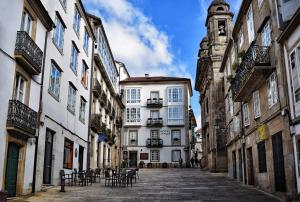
{"x": 278, "y": 160}
{"x": 48, "y": 157}
{"x": 234, "y": 164}
{"x": 80, "y": 158}
{"x": 12, "y": 169}
{"x": 240, "y": 166}
{"x": 250, "y": 166}
{"x": 132, "y": 158}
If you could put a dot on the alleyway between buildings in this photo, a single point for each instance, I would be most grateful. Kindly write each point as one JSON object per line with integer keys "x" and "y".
{"x": 160, "y": 185}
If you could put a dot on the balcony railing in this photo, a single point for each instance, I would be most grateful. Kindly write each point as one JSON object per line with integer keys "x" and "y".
{"x": 28, "y": 53}
{"x": 254, "y": 67}
{"x": 155, "y": 103}
{"x": 97, "y": 88}
{"x": 21, "y": 118}
{"x": 155, "y": 122}
{"x": 103, "y": 99}
{"x": 152, "y": 143}
{"x": 96, "y": 123}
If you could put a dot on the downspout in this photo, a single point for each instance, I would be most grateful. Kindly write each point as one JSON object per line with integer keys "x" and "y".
{"x": 39, "y": 115}
{"x": 88, "y": 161}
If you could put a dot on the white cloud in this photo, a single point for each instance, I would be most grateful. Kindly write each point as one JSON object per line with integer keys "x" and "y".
{"x": 199, "y": 123}
{"x": 135, "y": 40}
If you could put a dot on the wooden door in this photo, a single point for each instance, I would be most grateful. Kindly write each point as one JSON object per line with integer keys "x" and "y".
{"x": 234, "y": 164}
{"x": 12, "y": 169}
{"x": 80, "y": 158}
{"x": 48, "y": 158}
{"x": 250, "y": 166}
{"x": 278, "y": 161}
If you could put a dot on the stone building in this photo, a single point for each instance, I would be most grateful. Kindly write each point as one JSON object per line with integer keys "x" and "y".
{"x": 289, "y": 13}
{"x": 209, "y": 82}
{"x": 25, "y": 26}
{"x": 106, "y": 106}
{"x": 259, "y": 144}
{"x": 156, "y": 120}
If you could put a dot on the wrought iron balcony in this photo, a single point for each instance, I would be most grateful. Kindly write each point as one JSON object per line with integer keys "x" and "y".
{"x": 21, "y": 118}
{"x": 103, "y": 99}
{"x": 119, "y": 122}
{"x": 96, "y": 88}
{"x": 152, "y": 143}
{"x": 96, "y": 123}
{"x": 252, "y": 71}
{"x": 155, "y": 103}
{"x": 28, "y": 53}
{"x": 155, "y": 122}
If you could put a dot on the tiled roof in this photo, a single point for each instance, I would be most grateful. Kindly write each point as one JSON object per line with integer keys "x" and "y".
{"x": 153, "y": 79}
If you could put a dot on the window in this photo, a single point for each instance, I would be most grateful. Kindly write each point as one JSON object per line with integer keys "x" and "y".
{"x": 154, "y": 134}
{"x": 26, "y": 22}
{"x": 256, "y": 104}
{"x": 133, "y": 115}
{"x": 74, "y": 58}
{"x": 175, "y": 94}
{"x": 241, "y": 37}
{"x": 250, "y": 24}
{"x": 175, "y": 114}
{"x": 84, "y": 74}
{"x": 272, "y": 90}
{"x": 59, "y": 33}
{"x": 262, "y": 162}
{"x": 71, "y": 98}
{"x": 260, "y": 2}
{"x": 176, "y": 154}
{"x": 86, "y": 41}
{"x": 236, "y": 124}
{"x": 63, "y": 3}
{"x": 295, "y": 74}
{"x": 266, "y": 35}
{"x": 231, "y": 104}
{"x": 54, "y": 85}
{"x": 154, "y": 114}
{"x": 20, "y": 88}
{"x": 76, "y": 23}
{"x": 176, "y": 137}
{"x": 68, "y": 154}
{"x": 154, "y": 155}
{"x": 133, "y": 137}
{"x": 133, "y": 95}
{"x": 246, "y": 114}
{"x": 82, "y": 110}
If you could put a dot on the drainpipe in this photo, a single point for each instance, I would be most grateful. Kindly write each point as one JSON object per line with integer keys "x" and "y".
{"x": 39, "y": 115}
{"x": 88, "y": 160}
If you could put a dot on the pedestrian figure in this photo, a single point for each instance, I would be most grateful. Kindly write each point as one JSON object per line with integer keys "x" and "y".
{"x": 180, "y": 162}
{"x": 192, "y": 162}
{"x": 197, "y": 162}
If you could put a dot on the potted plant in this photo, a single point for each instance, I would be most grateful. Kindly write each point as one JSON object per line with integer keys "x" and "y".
{"x": 229, "y": 78}
{"x": 141, "y": 164}
{"x": 235, "y": 66}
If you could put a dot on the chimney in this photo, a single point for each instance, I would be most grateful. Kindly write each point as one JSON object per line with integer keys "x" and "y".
{"x": 146, "y": 75}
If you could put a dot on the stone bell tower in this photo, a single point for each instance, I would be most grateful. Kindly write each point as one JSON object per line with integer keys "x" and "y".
{"x": 219, "y": 28}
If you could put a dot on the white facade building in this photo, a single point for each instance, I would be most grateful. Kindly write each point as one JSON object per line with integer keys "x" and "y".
{"x": 24, "y": 26}
{"x": 63, "y": 132}
{"x": 156, "y": 120}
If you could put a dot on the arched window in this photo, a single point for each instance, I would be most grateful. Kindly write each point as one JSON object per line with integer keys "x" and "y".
{"x": 220, "y": 9}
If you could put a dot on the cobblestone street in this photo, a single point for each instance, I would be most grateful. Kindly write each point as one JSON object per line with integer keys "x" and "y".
{"x": 161, "y": 185}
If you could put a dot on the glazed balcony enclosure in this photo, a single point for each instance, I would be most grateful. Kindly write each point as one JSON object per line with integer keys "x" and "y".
{"x": 28, "y": 54}
{"x": 155, "y": 103}
{"x": 154, "y": 143}
{"x": 252, "y": 71}
{"x": 155, "y": 122}
{"x": 21, "y": 119}
{"x": 97, "y": 90}
{"x": 96, "y": 123}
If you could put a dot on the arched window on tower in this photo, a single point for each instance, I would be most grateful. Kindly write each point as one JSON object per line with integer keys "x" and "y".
{"x": 220, "y": 9}
{"x": 221, "y": 28}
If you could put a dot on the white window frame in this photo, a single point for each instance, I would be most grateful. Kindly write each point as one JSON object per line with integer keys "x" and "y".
{"x": 175, "y": 114}
{"x": 20, "y": 90}
{"x": 133, "y": 115}
{"x": 250, "y": 24}
{"x": 294, "y": 68}
{"x": 241, "y": 37}
{"x": 236, "y": 123}
{"x": 84, "y": 74}
{"x": 74, "y": 59}
{"x": 54, "y": 81}
{"x": 154, "y": 153}
{"x": 59, "y": 30}
{"x": 133, "y": 95}
{"x": 266, "y": 38}
{"x": 173, "y": 157}
{"x": 175, "y": 94}
{"x": 82, "y": 110}
{"x": 246, "y": 114}
{"x": 76, "y": 22}
{"x": 176, "y": 132}
{"x": 71, "y": 99}
{"x": 272, "y": 90}
{"x": 86, "y": 41}
{"x": 26, "y": 22}
{"x": 133, "y": 135}
{"x": 256, "y": 104}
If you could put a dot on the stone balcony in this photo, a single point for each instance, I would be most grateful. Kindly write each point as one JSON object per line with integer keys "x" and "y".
{"x": 28, "y": 54}
{"x": 21, "y": 119}
{"x": 253, "y": 70}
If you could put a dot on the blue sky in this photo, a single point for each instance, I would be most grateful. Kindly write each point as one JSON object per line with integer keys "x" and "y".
{"x": 159, "y": 37}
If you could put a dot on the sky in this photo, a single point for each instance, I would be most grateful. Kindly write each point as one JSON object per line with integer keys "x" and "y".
{"x": 158, "y": 37}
